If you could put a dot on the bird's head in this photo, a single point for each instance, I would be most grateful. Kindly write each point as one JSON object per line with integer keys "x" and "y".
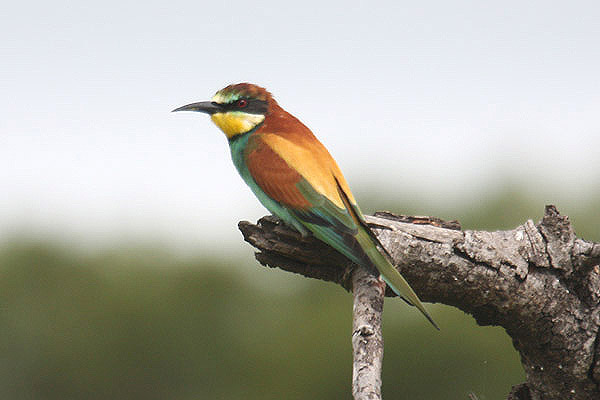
{"x": 236, "y": 109}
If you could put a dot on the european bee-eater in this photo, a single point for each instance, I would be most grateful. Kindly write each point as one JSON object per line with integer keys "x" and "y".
{"x": 295, "y": 178}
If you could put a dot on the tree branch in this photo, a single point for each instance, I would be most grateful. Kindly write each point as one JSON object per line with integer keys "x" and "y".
{"x": 540, "y": 282}
{"x": 367, "y": 338}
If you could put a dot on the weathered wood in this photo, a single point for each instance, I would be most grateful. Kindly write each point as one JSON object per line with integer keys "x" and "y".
{"x": 538, "y": 281}
{"x": 367, "y": 337}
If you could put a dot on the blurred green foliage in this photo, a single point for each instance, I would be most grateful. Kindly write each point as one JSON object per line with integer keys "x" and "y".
{"x": 144, "y": 324}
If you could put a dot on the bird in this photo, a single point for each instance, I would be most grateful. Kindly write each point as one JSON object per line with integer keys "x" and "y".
{"x": 295, "y": 177}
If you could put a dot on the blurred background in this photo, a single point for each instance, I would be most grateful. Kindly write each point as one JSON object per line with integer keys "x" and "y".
{"x": 122, "y": 273}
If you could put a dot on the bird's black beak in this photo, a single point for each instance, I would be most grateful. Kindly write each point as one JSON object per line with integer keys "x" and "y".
{"x": 203, "y": 106}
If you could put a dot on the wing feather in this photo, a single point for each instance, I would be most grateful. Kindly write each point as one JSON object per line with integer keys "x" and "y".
{"x": 315, "y": 200}
{"x": 303, "y": 178}
{"x": 273, "y": 175}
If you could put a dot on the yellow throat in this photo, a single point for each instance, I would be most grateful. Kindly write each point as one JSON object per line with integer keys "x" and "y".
{"x": 234, "y": 123}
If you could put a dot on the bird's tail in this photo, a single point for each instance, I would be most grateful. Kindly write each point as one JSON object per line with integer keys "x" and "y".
{"x": 389, "y": 274}
{"x": 368, "y": 242}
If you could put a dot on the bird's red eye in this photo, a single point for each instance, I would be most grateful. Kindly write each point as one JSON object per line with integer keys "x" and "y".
{"x": 242, "y": 103}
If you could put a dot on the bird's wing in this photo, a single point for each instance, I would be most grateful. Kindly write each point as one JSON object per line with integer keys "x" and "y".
{"x": 305, "y": 179}
{"x": 286, "y": 162}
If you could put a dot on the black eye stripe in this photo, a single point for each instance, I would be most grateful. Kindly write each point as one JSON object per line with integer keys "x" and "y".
{"x": 253, "y": 106}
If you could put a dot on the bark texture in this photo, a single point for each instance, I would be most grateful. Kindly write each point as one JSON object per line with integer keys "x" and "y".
{"x": 367, "y": 338}
{"x": 538, "y": 281}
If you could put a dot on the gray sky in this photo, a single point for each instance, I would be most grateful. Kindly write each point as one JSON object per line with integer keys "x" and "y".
{"x": 439, "y": 98}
